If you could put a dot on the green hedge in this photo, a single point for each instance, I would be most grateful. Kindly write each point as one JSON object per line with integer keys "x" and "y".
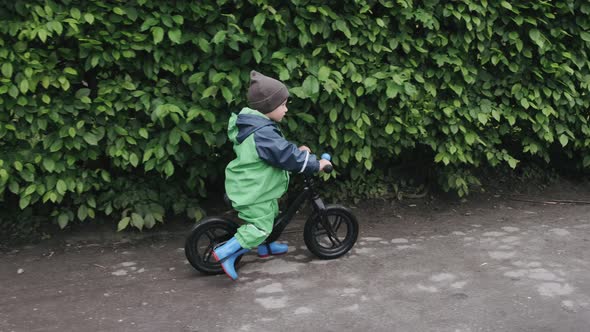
{"x": 119, "y": 108}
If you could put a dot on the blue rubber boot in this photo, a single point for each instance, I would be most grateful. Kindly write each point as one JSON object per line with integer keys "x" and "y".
{"x": 273, "y": 248}
{"x": 227, "y": 254}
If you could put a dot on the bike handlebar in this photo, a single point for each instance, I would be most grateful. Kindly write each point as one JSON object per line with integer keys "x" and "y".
{"x": 327, "y": 168}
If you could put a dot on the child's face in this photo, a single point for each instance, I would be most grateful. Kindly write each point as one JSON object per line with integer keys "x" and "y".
{"x": 279, "y": 113}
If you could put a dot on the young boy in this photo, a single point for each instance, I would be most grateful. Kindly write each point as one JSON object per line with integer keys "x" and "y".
{"x": 259, "y": 175}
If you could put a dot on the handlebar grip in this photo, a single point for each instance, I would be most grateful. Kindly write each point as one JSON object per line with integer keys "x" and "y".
{"x": 328, "y": 168}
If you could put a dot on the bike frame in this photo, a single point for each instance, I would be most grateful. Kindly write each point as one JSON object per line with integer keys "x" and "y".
{"x": 308, "y": 193}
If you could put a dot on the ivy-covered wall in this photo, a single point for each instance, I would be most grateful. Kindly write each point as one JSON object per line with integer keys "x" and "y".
{"x": 119, "y": 108}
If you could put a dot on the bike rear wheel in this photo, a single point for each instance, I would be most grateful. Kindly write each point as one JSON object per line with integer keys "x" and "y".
{"x": 334, "y": 237}
{"x": 203, "y": 238}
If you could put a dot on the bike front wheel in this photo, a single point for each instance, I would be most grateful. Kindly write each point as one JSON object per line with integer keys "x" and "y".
{"x": 334, "y": 236}
{"x": 203, "y": 238}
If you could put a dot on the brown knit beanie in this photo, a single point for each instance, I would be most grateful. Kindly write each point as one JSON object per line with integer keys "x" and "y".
{"x": 265, "y": 93}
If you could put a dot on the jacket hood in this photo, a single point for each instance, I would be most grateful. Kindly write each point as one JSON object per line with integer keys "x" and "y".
{"x": 242, "y": 125}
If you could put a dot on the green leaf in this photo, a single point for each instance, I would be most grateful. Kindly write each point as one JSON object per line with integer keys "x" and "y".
{"x": 75, "y": 13}
{"x": 297, "y": 91}
{"x": 470, "y": 138}
{"x": 333, "y": 115}
{"x": 91, "y": 202}
{"x": 63, "y": 220}
{"x": 210, "y": 91}
{"x": 311, "y": 86}
{"x": 178, "y": 19}
{"x": 84, "y": 92}
{"x": 537, "y": 37}
{"x": 219, "y": 37}
{"x": 259, "y": 21}
{"x": 148, "y": 23}
{"x": 496, "y": 115}
{"x": 42, "y": 35}
{"x": 227, "y": 94}
{"x": 65, "y": 84}
{"x": 13, "y": 91}
{"x": 511, "y": 119}
{"x": 412, "y": 130}
{"x": 257, "y": 56}
{"x": 483, "y": 118}
{"x": 137, "y": 221}
{"x": 208, "y": 116}
{"x": 14, "y": 187}
{"x": 512, "y": 162}
{"x": 306, "y": 117}
{"x": 7, "y": 69}
{"x": 62, "y": 187}
{"x": 57, "y": 145}
{"x": 70, "y": 70}
{"x": 196, "y": 78}
{"x": 49, "y": 164}
{"x": 174, "y": 137}
{"x": 175, "y": 35}
{"x": 360, "y": 91}
{"x": 30, "y": 189}
{"x": 128, "y": 86}
{"x": 217, "y": 77}
{"x": 389, "y": 129}
{"x": 158, "y": 34}
{"x": 392, "y": 89}
{"x": 123, "y": 223}
{"x": 24, "y": 202}
{"x": 22, "y": 101}
{"x": 204, "y": 45}
{"x": 341, "y": 25}
{"x": 186, "y": 138}
{"x": 24, "y": 86}
{"x": 563, "y": 139}
{"x": 323, "y": 74}
{"x": 143, "y": 133}
{"x": 88, "y": 17}
{"x": 457, "y": 88}
{"x": 133, "y": 159}
{"x": 278, "y": 55}
{"x": 82, "y": 212}
{"x": 370, "y": 82}
{"x": 90, "y": 139}
{"x": 149, "y": 221}
{"x": 168, "y": 168}
{"x": 105, "y": 176}
{"x": 131, "y": 13}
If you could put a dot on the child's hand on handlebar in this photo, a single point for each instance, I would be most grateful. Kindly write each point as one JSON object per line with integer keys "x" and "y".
{"x": 304, "y": 148}
{"x": 324, "y": 163}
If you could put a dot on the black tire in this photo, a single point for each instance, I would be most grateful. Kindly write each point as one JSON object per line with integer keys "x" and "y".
{"x": 346, "y": 229}
{"x": 205, "y": 236}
